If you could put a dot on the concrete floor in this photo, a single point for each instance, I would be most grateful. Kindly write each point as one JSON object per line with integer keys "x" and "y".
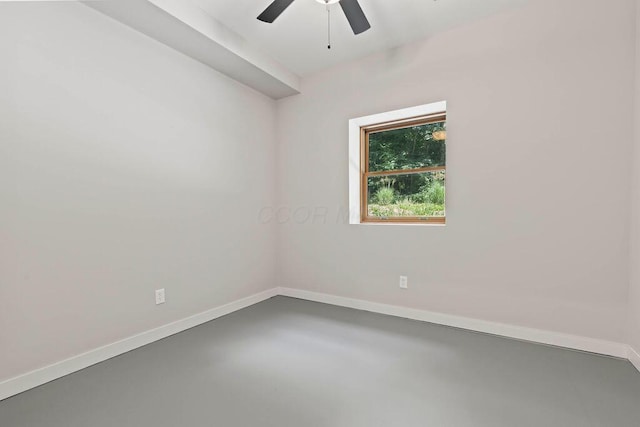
{"x": 291, "y": 363}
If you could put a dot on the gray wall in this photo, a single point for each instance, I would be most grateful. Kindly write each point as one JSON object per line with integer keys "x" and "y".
{"x": 539, "y": 174}
{"x": 634, "y": 293}
{"x": 124, "y": 167}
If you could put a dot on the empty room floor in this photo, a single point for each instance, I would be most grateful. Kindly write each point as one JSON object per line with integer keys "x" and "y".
{"x": 292, "y": 363}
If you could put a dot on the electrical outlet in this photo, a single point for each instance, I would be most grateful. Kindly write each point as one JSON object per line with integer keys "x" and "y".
{"x": 404, "y": 282}
{"x": 160, "y": 296}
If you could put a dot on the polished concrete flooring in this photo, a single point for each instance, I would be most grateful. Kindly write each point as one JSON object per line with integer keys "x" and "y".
{"x": 291, "y": 363}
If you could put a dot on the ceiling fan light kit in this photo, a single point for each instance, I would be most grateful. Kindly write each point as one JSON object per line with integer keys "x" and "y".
{"x": 351, "y": 8}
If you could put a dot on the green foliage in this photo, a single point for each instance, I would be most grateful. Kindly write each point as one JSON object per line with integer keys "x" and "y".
{"x": 385, "y": 196}
{"x": 403, "y": 149}
{"x": 435, "y": 194}
{"x": 406, "y": 208}
{"x": 419, "y": 195}
{"x": 378, "y": 211}
{"x": 407, "y": 148}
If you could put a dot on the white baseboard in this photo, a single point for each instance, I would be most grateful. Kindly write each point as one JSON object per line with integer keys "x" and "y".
{"x": 57, "y": 370}
{"x": 634, "y": 358}
{"x": 557, "y": 339}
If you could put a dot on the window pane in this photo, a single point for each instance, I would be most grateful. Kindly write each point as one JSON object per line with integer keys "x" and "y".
{"x": 409, "y": 148}
{"x": 416, "y": 195}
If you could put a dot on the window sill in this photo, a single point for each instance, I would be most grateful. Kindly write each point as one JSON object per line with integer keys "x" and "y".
{"x": 400, "y": 224}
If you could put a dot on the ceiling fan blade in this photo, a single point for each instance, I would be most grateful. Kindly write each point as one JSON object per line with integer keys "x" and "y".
{"x": 355, "y": 16}
{"x": 274, "y": 10}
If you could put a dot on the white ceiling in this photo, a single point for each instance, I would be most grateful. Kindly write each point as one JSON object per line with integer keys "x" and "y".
{"x": 298, "y": 38}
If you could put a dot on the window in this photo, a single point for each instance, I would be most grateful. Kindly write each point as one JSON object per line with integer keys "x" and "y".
{"x": 403, "y": 170}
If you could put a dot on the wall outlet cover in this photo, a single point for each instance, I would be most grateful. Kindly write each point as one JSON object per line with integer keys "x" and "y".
{"x": 160, "y": 297}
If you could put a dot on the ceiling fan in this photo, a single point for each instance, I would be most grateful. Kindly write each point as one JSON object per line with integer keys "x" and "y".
{"x": 351, "y": 9}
